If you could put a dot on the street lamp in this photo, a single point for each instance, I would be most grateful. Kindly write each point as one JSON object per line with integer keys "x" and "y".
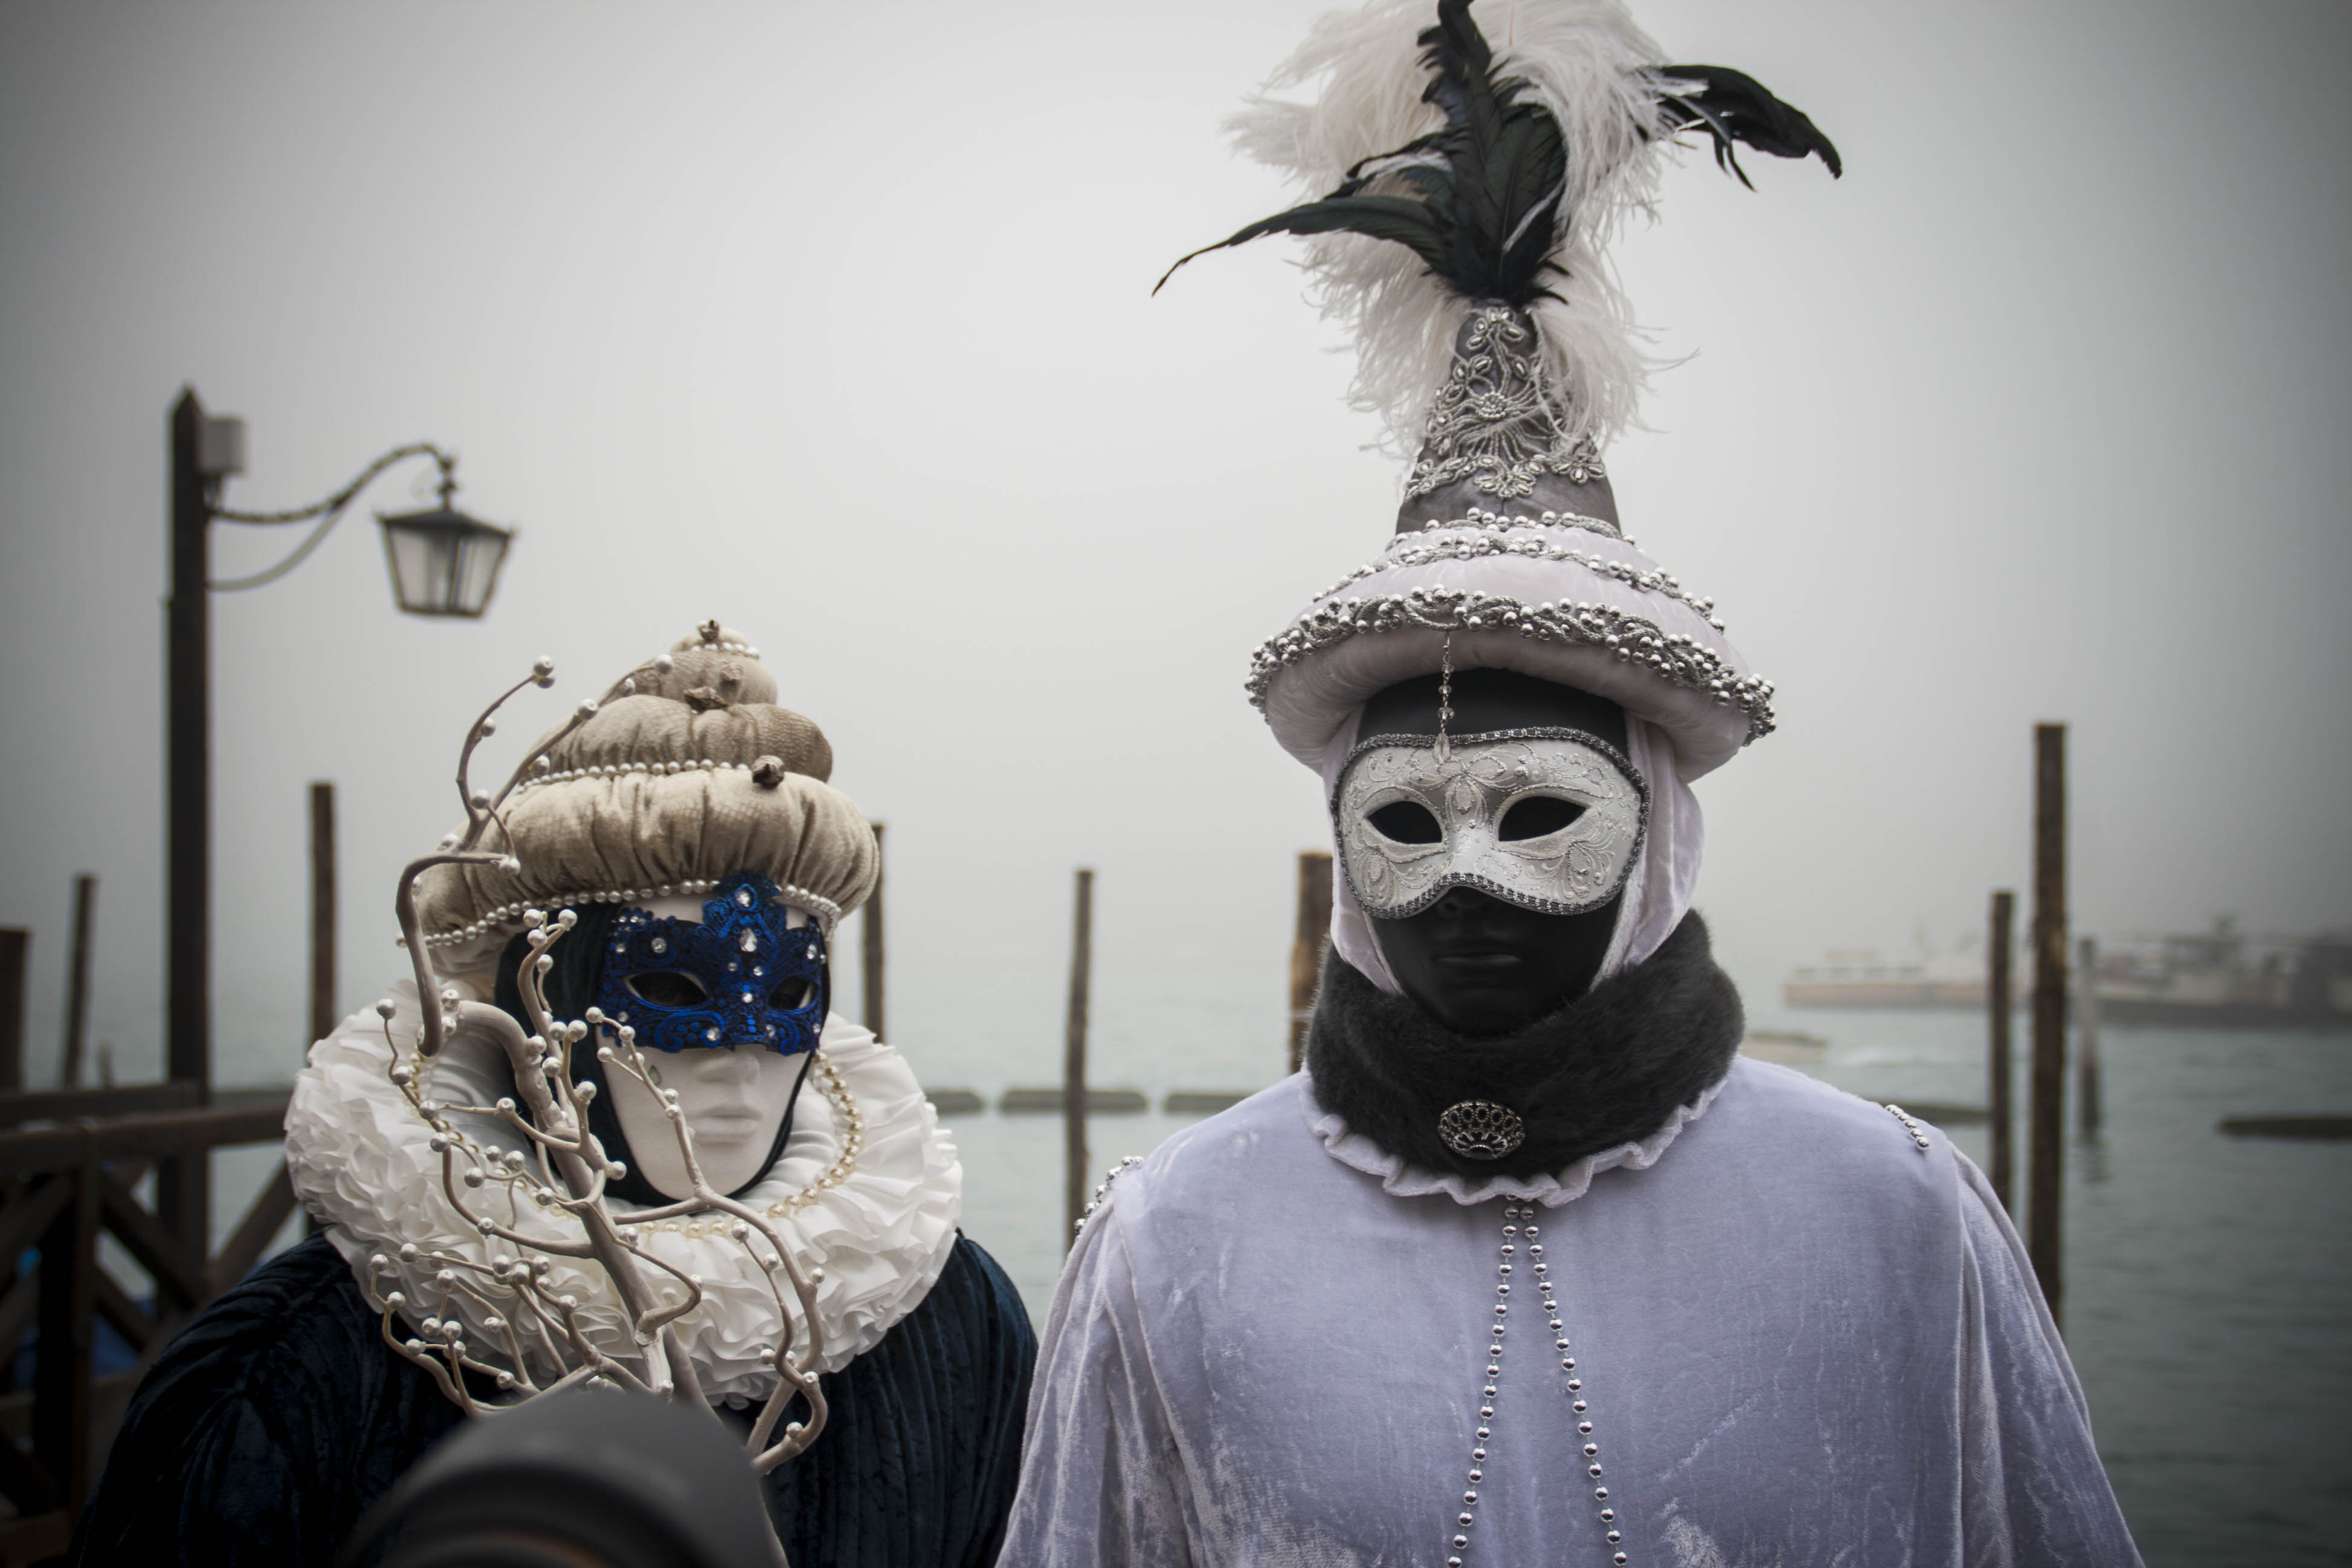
{"x": 442, "y": 564}
{"x": 442, "y": 561}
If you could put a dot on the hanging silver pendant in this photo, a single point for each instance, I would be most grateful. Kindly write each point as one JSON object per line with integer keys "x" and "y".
{"x": 1518, "y": 1227}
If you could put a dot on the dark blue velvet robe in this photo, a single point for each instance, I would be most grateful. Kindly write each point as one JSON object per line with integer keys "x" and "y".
{"x": 277, "y": 1416}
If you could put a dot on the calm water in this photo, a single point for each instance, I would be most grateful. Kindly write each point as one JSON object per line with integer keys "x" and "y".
{"x": 2208, "y": 1279}
{"x": 2208, "y": 1294}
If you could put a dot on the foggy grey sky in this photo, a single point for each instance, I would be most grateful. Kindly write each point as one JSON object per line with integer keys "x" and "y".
{"x": 835, "y": 322}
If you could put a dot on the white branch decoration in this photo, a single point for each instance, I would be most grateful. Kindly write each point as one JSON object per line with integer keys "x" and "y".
{"x": 542, "y": 1345}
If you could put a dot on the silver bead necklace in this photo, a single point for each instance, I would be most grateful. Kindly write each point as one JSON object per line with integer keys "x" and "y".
{"x": 1518, "y": 1226}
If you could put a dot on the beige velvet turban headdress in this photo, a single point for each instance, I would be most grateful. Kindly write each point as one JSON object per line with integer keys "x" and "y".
{"x": 692, "y": 776}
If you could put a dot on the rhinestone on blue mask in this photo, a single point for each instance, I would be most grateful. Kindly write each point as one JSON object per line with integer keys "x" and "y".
{"x": 743, "y": 956}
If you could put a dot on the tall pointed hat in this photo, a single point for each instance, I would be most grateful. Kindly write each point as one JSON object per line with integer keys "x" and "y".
{"x": 1473, "y": 171}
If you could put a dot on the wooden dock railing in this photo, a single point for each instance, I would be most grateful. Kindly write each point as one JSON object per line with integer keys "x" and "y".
{"x": 72, "y": 1161}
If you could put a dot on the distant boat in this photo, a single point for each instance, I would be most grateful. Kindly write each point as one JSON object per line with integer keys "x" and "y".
{"x": 2217, "y": 979}
{"x": 1948, "y": 979}
{"x": 2223, "y": 980}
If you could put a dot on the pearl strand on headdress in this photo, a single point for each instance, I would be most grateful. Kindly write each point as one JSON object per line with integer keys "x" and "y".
{"x": 827, "y": 912}
{"x": 658, "y": 767}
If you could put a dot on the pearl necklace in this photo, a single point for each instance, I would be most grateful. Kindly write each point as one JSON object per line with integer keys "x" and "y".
{"x": 1514, "y": 1232}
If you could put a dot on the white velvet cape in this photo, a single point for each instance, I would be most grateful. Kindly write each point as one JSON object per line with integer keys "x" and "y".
{"x": 1804, "y": 1342}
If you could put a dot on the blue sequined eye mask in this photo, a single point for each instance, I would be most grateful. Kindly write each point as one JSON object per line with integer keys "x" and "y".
{"x": 740, "y": 976}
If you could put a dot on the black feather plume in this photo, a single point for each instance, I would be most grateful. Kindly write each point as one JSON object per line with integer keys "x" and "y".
{"x": 1735, "y": 107}
{"x": 1477, "y": 201}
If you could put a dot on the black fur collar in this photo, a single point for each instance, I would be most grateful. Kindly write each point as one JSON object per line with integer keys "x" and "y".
{"x": 1607, "y": 1068}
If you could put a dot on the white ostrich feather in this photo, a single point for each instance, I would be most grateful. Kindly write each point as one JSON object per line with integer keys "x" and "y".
{"x": 1588, "y": 66}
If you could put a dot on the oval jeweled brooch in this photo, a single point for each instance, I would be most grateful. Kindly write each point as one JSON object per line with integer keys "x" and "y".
{"x": 1481, "y": 1129}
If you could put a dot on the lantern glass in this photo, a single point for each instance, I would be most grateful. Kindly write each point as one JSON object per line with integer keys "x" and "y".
{"x": 442, "y": 561}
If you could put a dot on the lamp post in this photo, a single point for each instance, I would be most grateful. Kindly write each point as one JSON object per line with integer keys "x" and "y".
{"x": 443, "y": 562}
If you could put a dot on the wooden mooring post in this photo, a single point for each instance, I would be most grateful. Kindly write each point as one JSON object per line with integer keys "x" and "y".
{"x": 323, "y": 1012}
{"x": 77, "y": 1041}
{"x": 2000, "y": 945}
{"x": 1307, "y": 945}
{"x": 2046, "y": 1172}
{"x": 869, "y": 948}
{"x": 14, "y": 943}
{"x": 2090, "y": 1094}
{"x": 1074, "y": 1059}
{"x": 184, "y": 1183}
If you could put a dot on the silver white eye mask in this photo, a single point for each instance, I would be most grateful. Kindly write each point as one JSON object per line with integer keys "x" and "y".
{"x": 1470, "y": 789}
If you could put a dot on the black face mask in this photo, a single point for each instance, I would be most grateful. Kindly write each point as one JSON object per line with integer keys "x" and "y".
{"x": 1474, "y": 964}
{"x": 1607, "y": 1068}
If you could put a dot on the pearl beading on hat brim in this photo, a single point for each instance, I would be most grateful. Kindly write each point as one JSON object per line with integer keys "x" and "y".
{"x": 1680, "y": 660}
{"x": 1483, "y": 534}
{"x": 619, "y": 770}
{"x": 828, "y": 913}
{"x": 1475, "y": 518}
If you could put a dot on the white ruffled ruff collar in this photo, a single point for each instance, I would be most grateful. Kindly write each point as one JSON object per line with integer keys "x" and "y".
{"x": 880, "y": 1229}
{"x": 1359, "y": 1153}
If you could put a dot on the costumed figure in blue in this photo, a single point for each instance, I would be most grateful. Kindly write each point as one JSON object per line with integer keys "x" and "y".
{"x": 617, "y": 1136}
{"x": 1528, "y": 1265}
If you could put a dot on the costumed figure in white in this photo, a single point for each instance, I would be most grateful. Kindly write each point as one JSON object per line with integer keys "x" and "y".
{"x": 610, "y": 1134}
{"x": 1528, "y": 1265}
